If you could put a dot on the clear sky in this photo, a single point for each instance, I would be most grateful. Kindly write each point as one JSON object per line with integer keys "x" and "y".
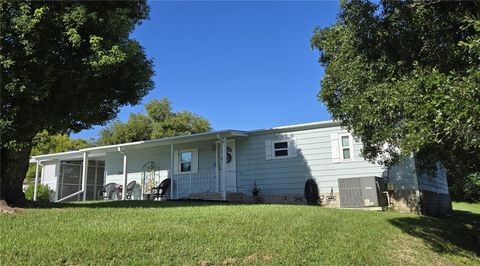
{"x": 242, "y": 65}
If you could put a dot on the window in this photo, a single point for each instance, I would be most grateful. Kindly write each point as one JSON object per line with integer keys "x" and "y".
{"x": 280, "y": 149}
{"x": 186, "y": 161}
{"x": 346, "y": 147}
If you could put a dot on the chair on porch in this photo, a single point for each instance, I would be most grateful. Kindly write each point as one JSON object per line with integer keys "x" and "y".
{"x": 108, "y": 191}
{"x": 160, "y": 192}
{"x": 129, "y": 189}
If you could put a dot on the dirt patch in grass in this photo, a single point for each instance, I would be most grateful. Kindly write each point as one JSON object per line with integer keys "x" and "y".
{"x": 251, "y": 258}
{"x": 4, "y": 208}
{"x": 255, "y": 258}
{"x": 229, "y": 261}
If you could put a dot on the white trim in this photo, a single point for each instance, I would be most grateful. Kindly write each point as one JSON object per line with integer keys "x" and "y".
{"x": 125, "y": 173}
{"x": 321, "y": 124}
{"x": 175, "y": 163}
{"x": 172, "y": 163}
{"x": 224, "y": 167}
{"x": 341, "y": 147}
{"x": 217, "y": 165}
{"x": 100, "y": 151}
{"x": 84, "y": 175}
{"x": 268, "y": 149}
{"x": 95, "y": 185}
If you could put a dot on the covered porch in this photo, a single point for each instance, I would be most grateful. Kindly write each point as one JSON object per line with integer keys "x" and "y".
{"x": 194, "y": 164}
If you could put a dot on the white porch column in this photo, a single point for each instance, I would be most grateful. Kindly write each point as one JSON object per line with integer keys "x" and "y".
{"x": 125, "y": 175}
{"x": 35, "y": 189}
{"x": 171, "y": 170}
{"x": 84, "y": 175}
{"x": 95, "y": 181}
{"x": 217, "y": 165}
{"x": 224, "y": 167}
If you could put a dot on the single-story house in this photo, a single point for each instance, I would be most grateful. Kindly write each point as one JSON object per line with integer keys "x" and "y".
{"x": 277, "y": 161}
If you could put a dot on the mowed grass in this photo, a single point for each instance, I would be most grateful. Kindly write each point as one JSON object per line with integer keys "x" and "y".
{"x": 199, "y": 233}
{"x": 467, "y": 207}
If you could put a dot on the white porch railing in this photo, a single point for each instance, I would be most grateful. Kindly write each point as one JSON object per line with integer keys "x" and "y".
{"x": 184, "y": 185}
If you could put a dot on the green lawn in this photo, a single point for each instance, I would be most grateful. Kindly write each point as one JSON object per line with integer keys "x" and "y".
{"x": 183, "y": 233}
{"x": 468, "y": 207}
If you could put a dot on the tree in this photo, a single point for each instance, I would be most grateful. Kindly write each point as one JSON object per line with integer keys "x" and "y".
{"x": 45, "y": 143}
{"x": 138, "y": 127}
{"x": 65, "y": 66}
{"x": 403, "y": 77}
{"x": 159, "y": 122}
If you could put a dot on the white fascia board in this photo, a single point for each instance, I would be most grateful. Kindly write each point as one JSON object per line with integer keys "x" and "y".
{"x": 322, "y": 124}
{"x": 101, "y": 150}
{"x": 168, "y": 141}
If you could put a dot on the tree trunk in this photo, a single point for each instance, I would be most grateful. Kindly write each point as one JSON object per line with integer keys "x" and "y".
{"x": 14, "y": 166}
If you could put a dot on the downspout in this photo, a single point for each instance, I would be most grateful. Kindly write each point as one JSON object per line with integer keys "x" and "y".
{"x": 84, "y": 175}
{"x": 217, "y": 168}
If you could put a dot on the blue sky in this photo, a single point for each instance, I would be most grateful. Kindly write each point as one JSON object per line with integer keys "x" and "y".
{"x": 242, "y": 65}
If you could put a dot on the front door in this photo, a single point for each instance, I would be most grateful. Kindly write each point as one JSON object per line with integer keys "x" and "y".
{"x": 231, "y": 173}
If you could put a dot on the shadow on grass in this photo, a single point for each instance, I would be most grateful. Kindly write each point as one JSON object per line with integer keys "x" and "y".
{"x": 454, "y": 234}
{"x": 149, "y": 204}
{"x": 135, "y": 204}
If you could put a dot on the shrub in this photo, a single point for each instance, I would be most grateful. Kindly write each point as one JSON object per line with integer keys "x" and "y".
{"x": 43, "y": 192}
{"x": 467, "y": 189}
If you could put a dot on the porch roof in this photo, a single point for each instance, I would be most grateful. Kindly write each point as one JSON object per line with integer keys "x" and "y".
{"x": 100, "y": 151}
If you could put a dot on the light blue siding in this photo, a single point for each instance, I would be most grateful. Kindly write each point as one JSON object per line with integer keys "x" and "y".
{"x": 274, "y": 176}
{"x": 136, "y": 160}
{"x": 314, "y": 160}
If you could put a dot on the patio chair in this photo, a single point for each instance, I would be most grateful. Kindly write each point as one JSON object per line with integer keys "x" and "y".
{"x": 160, "y": 192}
{"x": 108, "y": 191}
{"x": 129, "y": 189}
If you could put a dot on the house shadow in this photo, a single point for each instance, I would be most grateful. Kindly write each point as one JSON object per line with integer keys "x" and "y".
{"x": 458, "y": 233}
{"x": 132, "y": 204}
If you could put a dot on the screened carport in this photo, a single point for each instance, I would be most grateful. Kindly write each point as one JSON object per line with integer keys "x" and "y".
{"x": 70, "y": 179}
{"x": 68, "y": 172}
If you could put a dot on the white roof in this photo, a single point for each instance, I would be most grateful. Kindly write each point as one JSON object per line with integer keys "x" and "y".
{"x": 100, "y": 151}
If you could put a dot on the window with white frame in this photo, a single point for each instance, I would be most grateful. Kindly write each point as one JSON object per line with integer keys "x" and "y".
{"x": 346, "y": 147}
{"x": 186, "y": 158}
{"x": 280, "y": 149}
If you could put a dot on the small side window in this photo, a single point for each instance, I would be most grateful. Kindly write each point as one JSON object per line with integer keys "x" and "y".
{"x": 346, "y": 147}
{"x": 280, "y": 149}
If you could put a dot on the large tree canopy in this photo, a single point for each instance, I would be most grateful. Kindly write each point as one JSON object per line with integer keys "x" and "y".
{"x": 160, "y": 121}
{"x": 403, "y": 77}
{"x": 65, "y": 66}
